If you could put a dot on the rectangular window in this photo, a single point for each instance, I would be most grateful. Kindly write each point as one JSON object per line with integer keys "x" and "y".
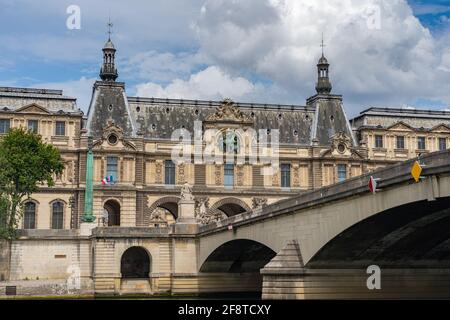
{"x": 4, "y": 125}
{"x": 342, "y": 172}
{"x": 169, "y": 172}
{"x": 378, "y": 141}
{"x": 229, "y": 175}
{"x": 111, "y": 168}
{"x": 442, "y": 144}
{"x": 60, "y": 129}
{"x": 421, "y": 143}
{"x": 285, "y": 175}
{"x": 400, "y": 142}
{"x": 33, "y": 126}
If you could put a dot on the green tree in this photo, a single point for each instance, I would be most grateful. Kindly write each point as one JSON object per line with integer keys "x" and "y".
{"x": 25, "y": 163}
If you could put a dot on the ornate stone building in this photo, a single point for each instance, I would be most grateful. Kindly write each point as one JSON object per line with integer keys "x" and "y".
{"x": 392, "y": 135}
{"x": 137, "y": 182}
{"x": 133, "y": 143}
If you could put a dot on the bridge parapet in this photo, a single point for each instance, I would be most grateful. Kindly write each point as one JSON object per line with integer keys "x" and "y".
{"x": 433, "y": 164}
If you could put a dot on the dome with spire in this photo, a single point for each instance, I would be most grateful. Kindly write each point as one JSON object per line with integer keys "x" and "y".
{"x": 108, "y": 71}
{"x": 323, "y": 60}
{"x": 109, "y": 45}
{"x": 323, "y": 85}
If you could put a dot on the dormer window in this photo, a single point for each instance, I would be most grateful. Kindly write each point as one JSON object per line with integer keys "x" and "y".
{"x": 421, "y": 145}
{"x": 4, "y": 125}
{"x": 400, "y": 142}
{"x": 33, "y": 126}
{"x": 378, "y": 141}
{"x": 442, "y": 144}
{"x": 60, "y": 128}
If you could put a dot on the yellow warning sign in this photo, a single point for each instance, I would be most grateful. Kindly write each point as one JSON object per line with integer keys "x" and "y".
{"x": 416, "y": 170}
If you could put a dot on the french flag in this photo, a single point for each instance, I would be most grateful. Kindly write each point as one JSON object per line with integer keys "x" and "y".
{"x": 107, "y": 180}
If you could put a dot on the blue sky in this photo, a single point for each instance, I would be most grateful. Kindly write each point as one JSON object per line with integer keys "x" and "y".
{"x": 431, "y": 13}
{"x": 252, "y": 50}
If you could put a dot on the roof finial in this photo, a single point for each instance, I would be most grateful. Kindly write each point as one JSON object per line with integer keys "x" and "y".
{"x": 110, "y": 25}
{"x": 322, "y": 45}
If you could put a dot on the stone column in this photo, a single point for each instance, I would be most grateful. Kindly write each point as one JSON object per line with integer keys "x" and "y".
{"x": 88, "y": 218}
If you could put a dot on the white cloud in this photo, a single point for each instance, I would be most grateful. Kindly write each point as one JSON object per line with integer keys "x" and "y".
{"x": 395, "y": 64}
{"x": 209, "y": 84}
{"x": 164, "y": 44}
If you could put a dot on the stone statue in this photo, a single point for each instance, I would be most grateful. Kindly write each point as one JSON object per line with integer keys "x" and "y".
{"x": 201, "y": 210}
{"x": 259, "y": 202}
{"x": 158, "y": 218}
{"x": 202, "y": 207}
{"x": 105, "y": 217}
{"x": 186, "y": 192}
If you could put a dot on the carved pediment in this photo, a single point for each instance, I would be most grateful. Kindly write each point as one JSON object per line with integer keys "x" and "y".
{"x": 441, "y": 128}
{"x": 341, "y": 142}
{"x": 113, "y": 136}
{"x": 400, "y": 126}
{"x": 228, "y": 112}
{"x": 33, "y": 108}
{"x": 341, "y": 146}
{"x": 110, "y": 128}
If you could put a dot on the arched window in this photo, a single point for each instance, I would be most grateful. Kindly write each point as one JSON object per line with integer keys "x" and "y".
{"x": 29, "y": 217}
{"x": 58, "y": 215}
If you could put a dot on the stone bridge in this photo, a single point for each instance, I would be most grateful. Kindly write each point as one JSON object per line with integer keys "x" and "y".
{"x": 316, "y": 245}
{"x": 320, "y": 243}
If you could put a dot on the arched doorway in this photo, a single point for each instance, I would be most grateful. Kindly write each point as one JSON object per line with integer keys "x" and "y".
{"x": 112, "y": 210}
{"x": 167, "y": 208}
{"x": 135, "y": 263}
{"x": 230, "y": 207}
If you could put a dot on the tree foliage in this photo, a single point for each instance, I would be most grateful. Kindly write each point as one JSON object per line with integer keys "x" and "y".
{"x": 26, "y": 162}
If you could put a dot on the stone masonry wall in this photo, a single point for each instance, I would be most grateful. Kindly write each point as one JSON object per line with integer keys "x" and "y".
{"x": 4, "y": 260}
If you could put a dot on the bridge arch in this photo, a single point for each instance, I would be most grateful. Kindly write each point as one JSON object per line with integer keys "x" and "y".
{"x": 414, "y": 234}
{"x": 135, "y": 263}
{"x": 230, "y": 206}
{"x": 238, "y": 256}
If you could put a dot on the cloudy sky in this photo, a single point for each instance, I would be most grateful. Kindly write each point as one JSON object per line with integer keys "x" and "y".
{"x": 393, "y": 53}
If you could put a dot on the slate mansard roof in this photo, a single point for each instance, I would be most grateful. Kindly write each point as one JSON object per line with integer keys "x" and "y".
{"x": 376, "y": 117}
{"x": 157, "y": 118}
